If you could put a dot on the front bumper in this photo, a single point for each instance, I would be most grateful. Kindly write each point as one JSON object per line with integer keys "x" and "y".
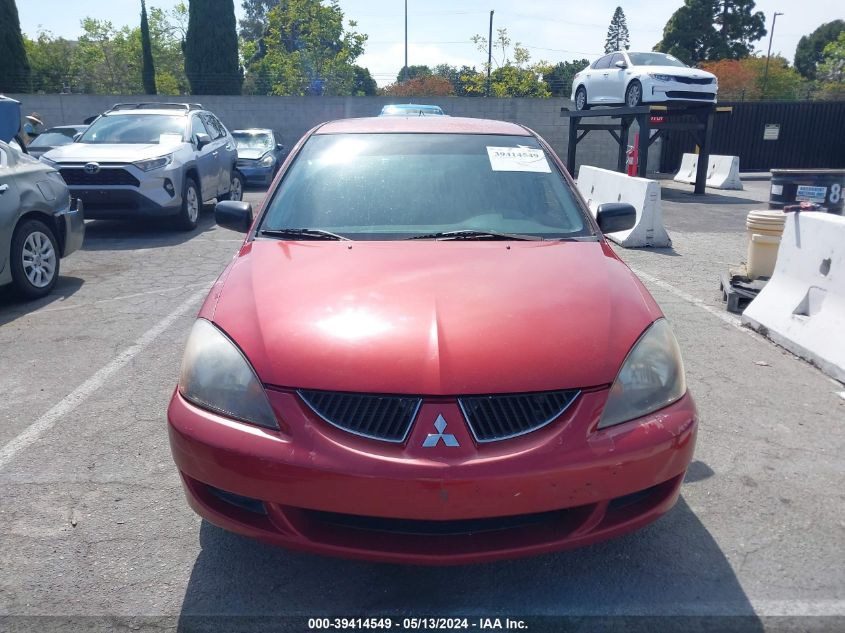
{"x": 255, "y": 174}
{"x": 71, "y": 223}
{"x": 661, "y": 91}
{"x": 115, "y": 203}
{"x": 316, "y": 488}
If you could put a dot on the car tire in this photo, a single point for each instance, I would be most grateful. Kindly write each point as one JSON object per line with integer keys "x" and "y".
{"x": 189, "y": 214}
{"x": 634, "y": 94}
{"x": 34, "y": 259}
{"x": 581, "y": 99}
{"x": 236, "y": 188}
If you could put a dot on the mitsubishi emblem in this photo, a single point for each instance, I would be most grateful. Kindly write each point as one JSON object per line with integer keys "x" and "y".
{"x": 434, "y": 438}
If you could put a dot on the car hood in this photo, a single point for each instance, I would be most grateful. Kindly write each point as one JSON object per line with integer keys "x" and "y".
{"x": 677, "y": 71}
{"x": 432, "y": 317}
{"x": 108, "y": 153}
{"x": 251, "y": 153}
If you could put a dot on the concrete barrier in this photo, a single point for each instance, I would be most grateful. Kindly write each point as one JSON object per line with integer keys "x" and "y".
{"x": 802, "y": 307}
{"x": 602, "y": 185}
{"x": 722, "y": 171}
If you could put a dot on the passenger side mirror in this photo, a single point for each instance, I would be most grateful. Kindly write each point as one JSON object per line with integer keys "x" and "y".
{"x": 280, "y": 147}
{"x": 236, "y": 216}
{"x": 616, "y": 216}
{"x": 621, "y": 64}
{"x": 203, "y": 140}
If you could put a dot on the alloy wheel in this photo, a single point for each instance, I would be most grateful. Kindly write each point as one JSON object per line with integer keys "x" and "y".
{"x": 39, "y": 259}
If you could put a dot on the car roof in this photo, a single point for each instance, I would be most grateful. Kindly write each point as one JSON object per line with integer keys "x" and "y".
{"x": 169, "y": 112}
{"x": 417, "y": 125}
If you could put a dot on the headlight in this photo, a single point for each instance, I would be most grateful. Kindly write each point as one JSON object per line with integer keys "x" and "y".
{"x": 651, "y": 377}
{"x": 154, "y": 163}
{"x": 267, "y": 160}
{"x": 661, "y": 77}
{"x": 216, "y": 375}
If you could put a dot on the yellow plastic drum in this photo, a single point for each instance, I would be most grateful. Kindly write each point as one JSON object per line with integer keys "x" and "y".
{"x": 765, "y": 229}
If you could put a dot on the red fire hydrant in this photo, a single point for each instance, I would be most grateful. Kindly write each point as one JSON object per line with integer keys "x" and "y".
{"x": 634, "y": 156}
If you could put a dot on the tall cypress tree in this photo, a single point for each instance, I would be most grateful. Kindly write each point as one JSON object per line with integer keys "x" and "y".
{"x": 148, "y": 71}
{"x": 14, "y": 67}
{"x": 211, "y": 48}
{"x": 617, "y": 33}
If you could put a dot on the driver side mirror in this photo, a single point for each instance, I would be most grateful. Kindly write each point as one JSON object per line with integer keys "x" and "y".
{"x": 236, "y": 216}
{"x": 621, "y": 65}
{"x": 202, "y": 140}
{"x": 616, "y": 216}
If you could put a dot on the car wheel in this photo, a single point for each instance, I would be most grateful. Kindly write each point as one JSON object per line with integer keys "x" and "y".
{"x": 191, "y": 204}
{"x": 634, "y": 94}
{"x": 236, "y": 188}
{"x": 34, "y": 259}
{"x": 581, "y": 99}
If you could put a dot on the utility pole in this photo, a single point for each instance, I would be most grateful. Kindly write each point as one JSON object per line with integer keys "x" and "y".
{"x": 489, "y": 53}
{"x": 406, "y": 41}
{"x": 769, "y": 54}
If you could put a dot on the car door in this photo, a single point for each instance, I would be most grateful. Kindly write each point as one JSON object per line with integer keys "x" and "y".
{"x": 207, "y": 166}
{"x": 10, "y": 202}
{"x": 222, "y": 153}
{"x": 615, "y": 79}
{"x": 597, "y": 89}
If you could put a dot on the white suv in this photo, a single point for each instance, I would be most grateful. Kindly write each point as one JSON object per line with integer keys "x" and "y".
{"x": 151, "y": 159}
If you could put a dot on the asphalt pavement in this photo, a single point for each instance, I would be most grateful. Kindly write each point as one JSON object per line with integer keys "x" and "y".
{"x": 97, "y": 535}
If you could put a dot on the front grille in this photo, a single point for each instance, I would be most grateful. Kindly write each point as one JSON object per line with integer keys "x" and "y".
{"x": 387, "y": 418}
{"x": 499, "y": 417}
{"x": 691, "y": 80}
{"x": 106, "y": 176}
{"x": 687, "y": 94}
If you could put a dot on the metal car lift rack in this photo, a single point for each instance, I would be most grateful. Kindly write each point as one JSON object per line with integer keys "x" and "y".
{"x": 701, "y": 129}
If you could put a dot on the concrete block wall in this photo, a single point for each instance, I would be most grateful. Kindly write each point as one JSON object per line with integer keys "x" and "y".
{"x": 291, "y": 117}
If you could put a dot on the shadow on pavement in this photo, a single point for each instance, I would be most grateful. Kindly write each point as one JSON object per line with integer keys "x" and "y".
{"x": 671, "y": 568}
{"x": 12, "y": 306}
{"x": 676, "y": 195}
{"x": 118, "y": 235}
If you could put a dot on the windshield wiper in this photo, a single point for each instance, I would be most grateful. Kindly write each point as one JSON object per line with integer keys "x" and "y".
{"x": 303, "y": 234}
{"x": 471, "y": 234}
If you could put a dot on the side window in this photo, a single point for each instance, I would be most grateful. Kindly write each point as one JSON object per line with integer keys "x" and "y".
{"x": 617, "y": 57}
{"x": 198, "y": 127}
{"x": 4, "y": 158}
{"x": 213, "y": 126}
{"x": 220, "y": 125}
{"x": 604, "y": 62}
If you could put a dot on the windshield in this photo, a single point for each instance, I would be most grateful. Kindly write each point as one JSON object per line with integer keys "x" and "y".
{"x": 655, "y": 59}
{"x": 411, "y": 110}
{"x": 135, "y": 128}
{"x": 250, "y": 140}
{"x": 395, "y": 186}
{"x": 53, "y": 138}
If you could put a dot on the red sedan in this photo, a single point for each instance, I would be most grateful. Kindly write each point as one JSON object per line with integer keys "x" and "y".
{"x": 426, "y": 352}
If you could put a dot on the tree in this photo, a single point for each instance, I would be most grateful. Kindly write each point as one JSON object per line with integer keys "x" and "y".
{"x": 460, "y": 78}
{"x": 307, "y": 51}
{"x": 53, "y": 63}
{"x": 363, "y": 85}
{"x": 745, "y": 78}
{"x": 514, "y": 76}
{"x": 421, "y": 86}
{"x": 810, "y": 50}
{"x": 559, "y": 77}
{"x": 14, "y": 66}
{"x": 617, "y": 33}
{"x": 254, "y": 23}
{"x": 712, "y": 29}
{"x": 148, "y": 71}
{"x": 107, "y": 59}
{"x": 832, "y": 68}
{"x": 211, "y": 48}
{"x": 413, "y": 73}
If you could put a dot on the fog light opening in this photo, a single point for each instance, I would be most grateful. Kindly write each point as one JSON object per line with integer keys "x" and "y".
{"x": 239, "y": 501}
{"x": 168, "y": 187}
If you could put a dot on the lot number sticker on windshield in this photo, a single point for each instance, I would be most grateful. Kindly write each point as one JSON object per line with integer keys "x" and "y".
{"x": 518, "y": 159}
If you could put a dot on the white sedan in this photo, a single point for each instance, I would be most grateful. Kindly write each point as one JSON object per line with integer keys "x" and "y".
{"x": 631, "y": 79}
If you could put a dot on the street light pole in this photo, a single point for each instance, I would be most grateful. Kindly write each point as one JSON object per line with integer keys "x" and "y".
{"x": 769, "y": 54}
{"x": 406, "y": 41}
{"x": 489, "y": 53}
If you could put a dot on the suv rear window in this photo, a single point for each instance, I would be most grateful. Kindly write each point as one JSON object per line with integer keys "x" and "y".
{"x": 133, "y": 128}
{"x": 394, "y": 186}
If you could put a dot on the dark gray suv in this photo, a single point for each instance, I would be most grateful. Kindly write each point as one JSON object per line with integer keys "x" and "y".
{"x": 151, "y": 159}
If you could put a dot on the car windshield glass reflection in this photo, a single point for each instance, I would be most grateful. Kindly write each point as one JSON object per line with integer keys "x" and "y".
{"x": 253, "y": 141}
{"x": 395, "y": 186}
{"x": 134, "y": 128}
{"x": 655, "y": 59}
{"x": 51, "y": 139}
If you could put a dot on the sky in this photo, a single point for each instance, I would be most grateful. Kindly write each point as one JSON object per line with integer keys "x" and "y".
{"x": 439, "y": 31}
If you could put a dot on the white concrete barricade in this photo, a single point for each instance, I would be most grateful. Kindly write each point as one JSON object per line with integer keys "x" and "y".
{"x": 599, "y": 186}
{"x": 802, "y": 307}
{"x": 722, "y": 171}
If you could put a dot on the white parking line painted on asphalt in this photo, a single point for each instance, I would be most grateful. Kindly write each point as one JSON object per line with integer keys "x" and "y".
{"x": 120, "y": 298}
{"x": 719, "y": 314}
{"x": 43, "y": 424}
